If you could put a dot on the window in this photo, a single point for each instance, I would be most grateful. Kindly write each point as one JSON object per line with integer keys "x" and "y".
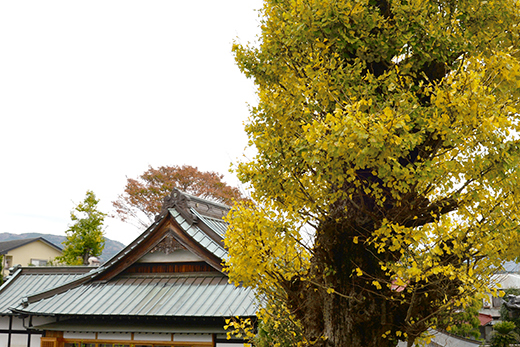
{"x": 39, "y": 262}
{"x": 8, "y": 261}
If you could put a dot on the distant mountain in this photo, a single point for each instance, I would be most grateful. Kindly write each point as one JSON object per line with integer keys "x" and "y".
{"x": 111, "y": 246}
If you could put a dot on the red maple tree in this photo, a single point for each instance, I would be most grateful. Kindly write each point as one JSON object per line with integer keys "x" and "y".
{"x": 143, "y": 197}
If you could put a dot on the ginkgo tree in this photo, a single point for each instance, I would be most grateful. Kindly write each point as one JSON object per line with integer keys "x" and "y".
{"x": 386, "y": 181}
{"x": 85, "y": 236}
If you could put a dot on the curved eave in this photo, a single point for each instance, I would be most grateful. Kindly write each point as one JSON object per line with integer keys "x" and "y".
{"x": 187, "y": 295}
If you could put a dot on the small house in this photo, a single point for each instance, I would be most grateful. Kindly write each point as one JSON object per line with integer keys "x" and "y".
{"x": 28, "y": 252}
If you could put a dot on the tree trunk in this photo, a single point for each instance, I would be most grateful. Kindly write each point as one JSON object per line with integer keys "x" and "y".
{"x": 356, "y": 314}
{"x": 86, "y": 255}
{"x": 333, "y": 320}
{"x": 354, "y": 326}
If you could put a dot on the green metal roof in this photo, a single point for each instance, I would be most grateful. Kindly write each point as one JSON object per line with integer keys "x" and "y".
{"x": 218, "y": 225}
{"x": 170, "y": 295}
{"x": 206, "y": 295}
{"x": 31, "y": 280}
{"x": 198, "y": 235}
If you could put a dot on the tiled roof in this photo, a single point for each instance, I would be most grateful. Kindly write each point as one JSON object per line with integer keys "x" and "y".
{"x": 484, "y": 318}
{"x": 173, "y": 295}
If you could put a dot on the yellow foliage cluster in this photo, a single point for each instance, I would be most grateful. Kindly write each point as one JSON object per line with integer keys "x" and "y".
{"x": 240, "y": 328}
{"x": 407, "y": 115}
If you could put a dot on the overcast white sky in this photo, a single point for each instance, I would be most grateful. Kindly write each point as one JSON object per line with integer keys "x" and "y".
{"x": 92, "y": 92}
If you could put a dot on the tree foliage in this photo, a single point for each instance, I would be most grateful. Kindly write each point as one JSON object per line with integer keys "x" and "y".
{"x": 504, "y": 335}
{"x": 465, "y": 321}
{"x": 390, "y": 130}
{"x": 143, "y": 197}
{"x": 85, "y": 237}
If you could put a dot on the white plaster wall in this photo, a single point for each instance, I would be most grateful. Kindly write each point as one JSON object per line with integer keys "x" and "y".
{"x": 114, "y": 336}
{"x": 78, "y": 335}
{"x": 19, "y": 341}
{"x": 18, "y": 323}
{"x": 192, "y": 338}
{"x": 36, "y": 340}
{"x": 4, "y": 322}
{"x": 152, "y": 337}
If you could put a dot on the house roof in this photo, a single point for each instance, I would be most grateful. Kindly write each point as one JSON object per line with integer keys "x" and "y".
{"x": 30, "y": 280}
{"x": 186, "y": 295}
{"x": 198, "y": 234}
{"x": 195, "y": 225}
{"x": 6, "y": 246}
{"x": 217, "y": 224}
{"x": 484, "y": 319}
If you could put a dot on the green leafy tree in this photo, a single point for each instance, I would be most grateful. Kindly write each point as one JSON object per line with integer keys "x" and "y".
{"x": 143, "y": 197}
{"x": 465, "y": 322}
{"x": 389, "y": 129}
{"x": 504, "y": 335}
{"x": 85, "y": 237}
